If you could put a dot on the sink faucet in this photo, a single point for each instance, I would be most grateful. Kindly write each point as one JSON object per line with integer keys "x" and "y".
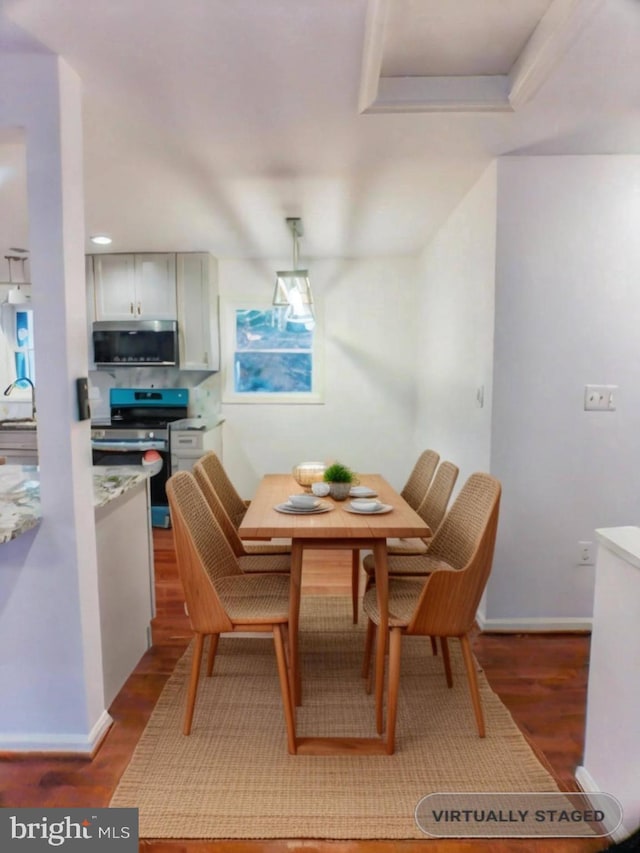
{"x": 13, "y": 385}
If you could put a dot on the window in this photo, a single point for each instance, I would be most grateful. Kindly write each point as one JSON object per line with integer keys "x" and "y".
{"x": 271, "y": 357}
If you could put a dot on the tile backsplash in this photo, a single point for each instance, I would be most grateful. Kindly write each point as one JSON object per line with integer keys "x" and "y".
{"x": 204, "y": 388}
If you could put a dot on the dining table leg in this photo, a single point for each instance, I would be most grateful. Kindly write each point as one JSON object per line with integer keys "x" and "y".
{"x": 382, "y": 591}
{"x": 294, "y": 619}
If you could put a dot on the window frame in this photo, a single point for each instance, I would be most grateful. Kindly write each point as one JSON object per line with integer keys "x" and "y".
{"x": 228, "y": 319}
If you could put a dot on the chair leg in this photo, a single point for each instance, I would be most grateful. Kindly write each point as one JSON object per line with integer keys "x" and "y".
{"x": 368, "y": 648}
{"x": 379, "y": 665}
{"x": 434, "y": 647}
{"x": 196, "y": 660}
{"x": 473, "y": 683}
{"x": 287, "y": 702}
{"x": 355, "y": 583}
{"x": 395, "y": 647}
{"x": 447, "y": 661}
{"x": 211, "y": 656}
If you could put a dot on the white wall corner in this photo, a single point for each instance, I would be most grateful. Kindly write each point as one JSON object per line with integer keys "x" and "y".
{"x": 589, "y": 785}
{"x": 72, "y": 743}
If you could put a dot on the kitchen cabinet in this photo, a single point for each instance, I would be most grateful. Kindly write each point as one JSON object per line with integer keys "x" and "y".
{"x": 135, "y": 286}
{"x": 91, "y": 308}
{"x": 197, "y": 294}
{"x": 19, "y": 446}
{"x": 125, "y": 583}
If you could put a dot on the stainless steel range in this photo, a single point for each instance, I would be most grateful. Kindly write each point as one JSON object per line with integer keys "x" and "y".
{"x": 139, "y": 422}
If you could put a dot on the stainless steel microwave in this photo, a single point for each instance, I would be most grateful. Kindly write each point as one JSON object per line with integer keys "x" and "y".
{"x": 136, "y": 343}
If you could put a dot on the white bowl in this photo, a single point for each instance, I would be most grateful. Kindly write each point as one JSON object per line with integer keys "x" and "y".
{"x": 363, "y": 505}
{"x": 320, "y": 489}
{"x": 304, "y": 501}
{"x": 362, "y": 492}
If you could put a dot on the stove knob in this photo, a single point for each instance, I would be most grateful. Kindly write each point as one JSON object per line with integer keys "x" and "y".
{"x": 150, "y": 434}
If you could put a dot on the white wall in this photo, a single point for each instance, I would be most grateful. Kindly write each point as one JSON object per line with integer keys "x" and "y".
{"x": 366, "y": 420}
{"x": 455, "y": 349}
{"x": 567, "y": 306}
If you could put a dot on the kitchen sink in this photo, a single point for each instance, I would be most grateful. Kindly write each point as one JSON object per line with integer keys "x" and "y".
{"x": 18, "y": 423}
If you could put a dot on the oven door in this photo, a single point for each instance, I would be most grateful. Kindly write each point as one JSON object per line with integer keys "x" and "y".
{"x": 117, "y": 452}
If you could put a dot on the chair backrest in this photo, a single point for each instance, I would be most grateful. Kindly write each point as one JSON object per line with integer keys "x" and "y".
{"x": 234, "y": 506}
{"x": 434, "y": 506}
{"x": 464, "y": 541}
{"x": 217, "y": 507}
{"x": 203, "y": 554}
{"x": 420, "y": 477}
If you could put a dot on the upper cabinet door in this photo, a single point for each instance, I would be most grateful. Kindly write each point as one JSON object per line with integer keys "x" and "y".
{"x": 135, "y": 287}
{"x": 197, "y": 281}
{"x": 115, "y": 291}
{"x": 156, "y": 286}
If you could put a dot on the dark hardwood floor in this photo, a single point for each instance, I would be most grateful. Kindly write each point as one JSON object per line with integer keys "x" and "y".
{"x": 542, "y": 679}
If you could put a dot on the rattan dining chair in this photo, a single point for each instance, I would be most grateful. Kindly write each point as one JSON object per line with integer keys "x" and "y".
{"x": 234, "y": 505}
{"x": 252, "y": 557}
{"x": 431, "y": 510}
{"x": 444, "y": 604}
{"x": 413, "y": 492}
{"x": 220, "y": 597}
{"x": 415, "y": 489}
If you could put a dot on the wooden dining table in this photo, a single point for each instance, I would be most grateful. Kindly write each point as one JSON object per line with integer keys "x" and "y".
{"x": 340, "y": 529}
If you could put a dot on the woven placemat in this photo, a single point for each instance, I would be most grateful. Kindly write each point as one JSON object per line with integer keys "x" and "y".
{"x": 233, "y": 778}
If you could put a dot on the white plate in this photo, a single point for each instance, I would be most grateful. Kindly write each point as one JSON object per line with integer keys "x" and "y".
{"x": 292, "y": 510}
{"x": 362, "y": 492}
{"x": 383, "y": 508}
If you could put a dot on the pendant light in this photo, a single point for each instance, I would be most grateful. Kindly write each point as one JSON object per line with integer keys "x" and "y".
{"x": 16, "y": 295}
{"x": 293, "y": 289}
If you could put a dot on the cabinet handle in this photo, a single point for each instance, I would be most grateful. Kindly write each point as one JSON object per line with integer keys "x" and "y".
{"x": 131, "y": 308}
{"x": 138, "y": 308}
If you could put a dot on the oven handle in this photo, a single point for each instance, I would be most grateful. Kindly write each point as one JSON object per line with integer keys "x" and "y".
{"x": 128, "y": 446}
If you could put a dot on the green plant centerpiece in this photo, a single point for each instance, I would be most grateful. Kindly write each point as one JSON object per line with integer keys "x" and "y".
{"x": 340, "y": 479}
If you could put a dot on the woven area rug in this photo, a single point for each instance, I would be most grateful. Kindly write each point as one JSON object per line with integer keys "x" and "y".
{"x": 233, "y": 778}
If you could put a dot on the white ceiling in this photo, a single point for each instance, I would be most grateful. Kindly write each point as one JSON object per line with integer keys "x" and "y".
{"x": 207, "y": 122}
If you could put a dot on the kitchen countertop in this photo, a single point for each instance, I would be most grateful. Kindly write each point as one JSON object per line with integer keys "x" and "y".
{"x": 20, "y": 493}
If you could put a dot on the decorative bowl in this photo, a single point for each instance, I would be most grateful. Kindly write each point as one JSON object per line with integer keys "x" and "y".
{"x": 152, "y": 462}
{"x": 304, "y": 501}
{"x": 320, "y": 489}
{"x": 362, "y": 505}
{"x": 307, "y": 473}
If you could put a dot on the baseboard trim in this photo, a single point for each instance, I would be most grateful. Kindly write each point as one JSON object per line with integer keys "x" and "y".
{"x": 569, "y": 624}
{"x": 589, "y": 785}
{"x": 57, "y": 745}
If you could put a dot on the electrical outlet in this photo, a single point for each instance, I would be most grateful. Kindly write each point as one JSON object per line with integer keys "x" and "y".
{"x": 600, "y": 398}
{"x": 586, "y": 554}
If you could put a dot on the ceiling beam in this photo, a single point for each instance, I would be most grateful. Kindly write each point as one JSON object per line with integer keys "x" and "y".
{"x": 556, "y": 31}
{"x": 373, "y": 52}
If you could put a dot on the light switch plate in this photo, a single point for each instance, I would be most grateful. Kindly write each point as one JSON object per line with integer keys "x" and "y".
{"x": 600, "y": 398}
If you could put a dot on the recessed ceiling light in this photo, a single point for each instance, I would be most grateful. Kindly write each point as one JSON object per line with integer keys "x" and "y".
{"x": 100, "y": 239}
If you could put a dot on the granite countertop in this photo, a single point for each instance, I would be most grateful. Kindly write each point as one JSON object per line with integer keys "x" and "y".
{"x": 20, "y": 493}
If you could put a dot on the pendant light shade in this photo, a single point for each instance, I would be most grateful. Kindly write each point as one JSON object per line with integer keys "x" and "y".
{"x": 293, "y": 289}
